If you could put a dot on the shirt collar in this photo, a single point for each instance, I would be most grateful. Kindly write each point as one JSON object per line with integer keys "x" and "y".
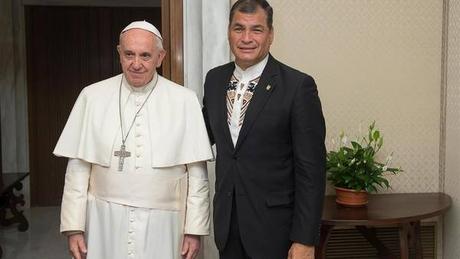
{"x": 251, "y": 72}
{"x": 141, "y": 89}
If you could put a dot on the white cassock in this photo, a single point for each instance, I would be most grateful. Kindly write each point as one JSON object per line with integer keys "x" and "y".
{"x": 161, "y": 193}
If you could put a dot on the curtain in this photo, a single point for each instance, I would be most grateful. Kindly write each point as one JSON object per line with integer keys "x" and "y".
{"x": 205, "y": 47}
{"x": 205, "y": 40}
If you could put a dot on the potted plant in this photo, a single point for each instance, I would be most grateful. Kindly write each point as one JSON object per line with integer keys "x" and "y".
{"x": 353, "y": 170}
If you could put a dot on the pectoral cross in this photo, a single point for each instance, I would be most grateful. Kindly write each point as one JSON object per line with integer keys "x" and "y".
{"x": 121, "y": 154}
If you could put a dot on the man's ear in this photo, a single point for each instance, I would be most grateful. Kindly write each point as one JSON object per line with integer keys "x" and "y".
{"x": 272, "y": 35}
{"x": 228, "y": 33}
{"x": 161, "y": 56}
{"x": 119, "y": 52}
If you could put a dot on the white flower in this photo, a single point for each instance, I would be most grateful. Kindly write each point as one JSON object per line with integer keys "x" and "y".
{"x": 388, "y": 159}
{"x": 352, "y": 161}
{"x": 344, "y": 140}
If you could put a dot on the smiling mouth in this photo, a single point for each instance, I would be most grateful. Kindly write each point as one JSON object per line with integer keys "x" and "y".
{"x": 246, "y": 49}
{"x": 136, "y": 73}
{"x": 137, "y": 77}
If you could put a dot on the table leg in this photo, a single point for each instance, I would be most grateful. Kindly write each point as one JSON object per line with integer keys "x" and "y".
{"x": 415, "y": 239}
{"x": 10, "y": 200}
{"x": 371, "y": 236}
{"x": 404, "y": 240}
{"x": 410, "y": 237}
{"x": 320, "y": 250}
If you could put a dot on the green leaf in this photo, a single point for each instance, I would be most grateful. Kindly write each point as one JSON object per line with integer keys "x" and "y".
{"x": 376, "y": 135}
{"x": 355, "y": 145}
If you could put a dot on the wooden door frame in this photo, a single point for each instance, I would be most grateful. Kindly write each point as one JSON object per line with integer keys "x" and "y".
{"x": 173, "y": 39}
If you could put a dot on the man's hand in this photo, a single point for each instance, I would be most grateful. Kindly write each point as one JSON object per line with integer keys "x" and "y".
{"x": 77, "y": 247}
{"x": 301, "y": 251}
{"x": 191, "y": 246}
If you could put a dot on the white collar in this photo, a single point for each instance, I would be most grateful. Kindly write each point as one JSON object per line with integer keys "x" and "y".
{"x": 251, "y": 72}
{"x": 141, "y": 89}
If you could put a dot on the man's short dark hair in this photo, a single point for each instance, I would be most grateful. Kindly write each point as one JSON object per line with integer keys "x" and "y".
{"x": 250, "y": 6}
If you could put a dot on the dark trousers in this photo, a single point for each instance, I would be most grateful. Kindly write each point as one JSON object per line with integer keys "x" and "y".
{"x": 234, "y": 248}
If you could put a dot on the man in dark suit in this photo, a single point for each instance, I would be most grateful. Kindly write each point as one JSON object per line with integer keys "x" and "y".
{"x": 266, "y": 121}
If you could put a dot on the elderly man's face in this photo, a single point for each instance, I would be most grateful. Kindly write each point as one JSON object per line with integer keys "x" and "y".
{"x": 249, "y": 37}
{"x": 139, "y": 56}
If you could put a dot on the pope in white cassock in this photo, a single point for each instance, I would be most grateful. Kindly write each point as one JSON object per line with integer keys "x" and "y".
{"x": 136, "y": 184}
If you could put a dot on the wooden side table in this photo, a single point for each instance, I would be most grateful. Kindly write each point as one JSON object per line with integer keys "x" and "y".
{"x": 404, "y": 210}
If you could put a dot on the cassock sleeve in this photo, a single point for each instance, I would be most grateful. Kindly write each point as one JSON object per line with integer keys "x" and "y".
{"x": 73, "y": 208}
{"x": 197, "y": 218}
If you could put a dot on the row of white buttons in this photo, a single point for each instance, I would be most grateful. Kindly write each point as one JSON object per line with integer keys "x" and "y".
{"x": 139, "y": 135}
{"x": 131, "y": 246}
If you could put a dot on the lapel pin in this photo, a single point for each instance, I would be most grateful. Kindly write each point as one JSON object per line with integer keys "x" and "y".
{"x": 268, "y": 87}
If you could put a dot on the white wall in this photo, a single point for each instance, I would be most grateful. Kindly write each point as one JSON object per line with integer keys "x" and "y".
{"x": 373, "y": 60}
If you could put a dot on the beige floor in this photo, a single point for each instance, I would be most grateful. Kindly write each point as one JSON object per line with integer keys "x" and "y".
{"x": 41, "y": 241}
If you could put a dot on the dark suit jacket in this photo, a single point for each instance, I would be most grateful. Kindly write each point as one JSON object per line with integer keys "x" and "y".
{"x": 276, "y": 171}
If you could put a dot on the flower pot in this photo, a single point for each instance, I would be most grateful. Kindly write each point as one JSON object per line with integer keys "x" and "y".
{"x": 350, "y": 198}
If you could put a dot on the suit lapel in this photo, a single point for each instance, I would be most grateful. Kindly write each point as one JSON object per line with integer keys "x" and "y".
{"x": 224, "y": 80}
{"x": 264, "y": 89}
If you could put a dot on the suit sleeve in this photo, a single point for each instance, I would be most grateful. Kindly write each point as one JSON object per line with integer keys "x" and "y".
{"x": 308, "y": 133}
{"x": 205, "y": 113}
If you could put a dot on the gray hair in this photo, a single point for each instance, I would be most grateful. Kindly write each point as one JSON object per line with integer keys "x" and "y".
{"x": 159, "y": 42}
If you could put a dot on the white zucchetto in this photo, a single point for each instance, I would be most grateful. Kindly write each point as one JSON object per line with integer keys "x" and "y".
{"x": 144, "y": 25}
